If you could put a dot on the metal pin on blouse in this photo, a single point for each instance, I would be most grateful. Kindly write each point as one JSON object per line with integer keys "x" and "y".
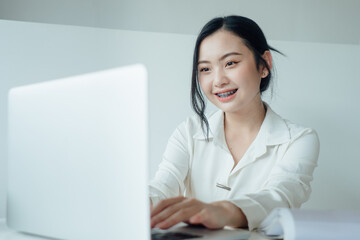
{"x": 223, "y": 186}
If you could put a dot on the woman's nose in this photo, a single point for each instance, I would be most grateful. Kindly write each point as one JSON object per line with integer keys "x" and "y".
{"x": 220, "y": 78}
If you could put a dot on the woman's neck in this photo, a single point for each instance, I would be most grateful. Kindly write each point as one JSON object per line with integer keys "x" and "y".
{"x": 247, "y": 121}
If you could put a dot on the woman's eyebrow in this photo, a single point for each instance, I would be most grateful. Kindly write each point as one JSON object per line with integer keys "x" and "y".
{"x": 222, "y": 58}
{"x": 229, "y": 54}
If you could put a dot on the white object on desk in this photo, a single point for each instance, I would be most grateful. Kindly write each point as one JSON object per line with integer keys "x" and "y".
{"x": 303, "y": 224}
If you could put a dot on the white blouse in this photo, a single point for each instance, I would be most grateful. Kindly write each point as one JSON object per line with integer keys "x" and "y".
{"x": 275, "y": 171}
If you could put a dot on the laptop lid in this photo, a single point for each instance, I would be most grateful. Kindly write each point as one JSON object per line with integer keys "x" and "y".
{"x": 78, "y": 155}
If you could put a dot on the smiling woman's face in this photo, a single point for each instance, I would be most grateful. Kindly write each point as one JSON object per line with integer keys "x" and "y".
{"x": 228, "y": 74}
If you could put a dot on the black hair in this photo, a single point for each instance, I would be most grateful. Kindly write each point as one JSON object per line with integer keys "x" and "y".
{"x": 252, "y": 37}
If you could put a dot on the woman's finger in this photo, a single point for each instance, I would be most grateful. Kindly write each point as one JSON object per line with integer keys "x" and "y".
{"x": 164, "y": 204}
{"x": 182, "y": 214}
{"x": 207, "y": 218}
{"x": 166, "y": 213}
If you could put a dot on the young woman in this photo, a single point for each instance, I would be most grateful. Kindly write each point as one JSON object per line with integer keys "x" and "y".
{"x": 232, "y": 167}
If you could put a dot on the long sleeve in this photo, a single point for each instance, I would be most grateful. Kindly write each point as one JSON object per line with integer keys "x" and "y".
{"x": 288, "y": 184}
{"x": 170, "y": 177}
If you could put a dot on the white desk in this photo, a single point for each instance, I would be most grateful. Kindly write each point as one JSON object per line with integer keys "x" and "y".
{"x": 9, "y": 234}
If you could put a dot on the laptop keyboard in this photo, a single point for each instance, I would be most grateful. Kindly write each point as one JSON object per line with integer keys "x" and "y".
{"x": 172, "y": 236}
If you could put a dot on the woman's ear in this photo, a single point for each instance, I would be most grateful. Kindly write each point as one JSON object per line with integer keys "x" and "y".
{"x": 268, "y": 59}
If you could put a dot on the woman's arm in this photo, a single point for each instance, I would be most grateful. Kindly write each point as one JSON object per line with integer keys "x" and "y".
{"x": 289, "y": 182}
{"x": 170, "y": 177}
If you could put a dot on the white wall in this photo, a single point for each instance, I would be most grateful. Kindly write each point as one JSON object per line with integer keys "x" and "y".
{"x": 316, "y": 86}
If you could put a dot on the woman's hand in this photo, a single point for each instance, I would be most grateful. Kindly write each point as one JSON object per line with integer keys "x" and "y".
{"x": 172, "y": 211}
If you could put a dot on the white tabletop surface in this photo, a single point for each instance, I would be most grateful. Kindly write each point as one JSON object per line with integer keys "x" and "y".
{"x": 9, "y": 234}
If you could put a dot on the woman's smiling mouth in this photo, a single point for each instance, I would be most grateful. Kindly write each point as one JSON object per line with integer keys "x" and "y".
{"x": 225, "y": 96}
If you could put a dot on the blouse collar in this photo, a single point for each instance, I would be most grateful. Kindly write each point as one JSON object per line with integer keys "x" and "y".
{"x": 273, "y": 131}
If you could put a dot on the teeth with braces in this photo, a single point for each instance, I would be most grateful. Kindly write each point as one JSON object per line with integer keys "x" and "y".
{"x": 222, "y": 95}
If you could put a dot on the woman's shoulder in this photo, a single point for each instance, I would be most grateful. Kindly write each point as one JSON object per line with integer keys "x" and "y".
{"x": 192, "y": 124}
{"x": 290, "y": 129}
{"x": 304, "y": 137}
{"x": 296, "y": 129}
{"x": 303, "y": 143}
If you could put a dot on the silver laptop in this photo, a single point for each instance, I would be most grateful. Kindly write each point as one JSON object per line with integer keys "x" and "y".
{"x": 78, "y": 155}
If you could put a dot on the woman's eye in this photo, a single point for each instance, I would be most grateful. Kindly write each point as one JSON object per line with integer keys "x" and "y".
{"x": 231, "y": 63}
{"x": 204, "y": 69}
